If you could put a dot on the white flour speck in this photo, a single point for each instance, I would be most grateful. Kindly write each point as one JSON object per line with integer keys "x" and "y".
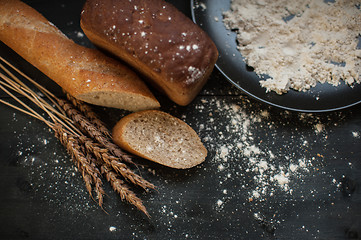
{"x": 356, "y": 134}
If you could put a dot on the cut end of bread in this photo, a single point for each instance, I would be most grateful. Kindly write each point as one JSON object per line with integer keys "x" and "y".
{"x": 127, "y": 101}
{"x": 160, "y": 137}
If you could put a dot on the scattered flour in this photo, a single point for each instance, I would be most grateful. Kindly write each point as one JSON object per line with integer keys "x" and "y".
{"x": 356, "y": 134}
{"x": 319, "y": 127}
{"x": 298, "y": 43}
{"x": 80, "y": 34}
{"x": 201, "y": 4}
{"x": 112, "y": 229}
{"x": 267, "y": 171}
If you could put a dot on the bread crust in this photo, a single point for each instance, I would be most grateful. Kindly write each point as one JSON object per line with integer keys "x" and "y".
{"x": 120, "y": 129}
{"x": 158, "y": 40}
{"x": 86, "y": 74}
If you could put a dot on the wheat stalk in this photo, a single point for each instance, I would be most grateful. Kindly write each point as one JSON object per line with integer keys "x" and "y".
{"x": 81, "y": 149}
{"x": 103, "y": 156}
{"x": 89, "y": 114}
{"x": 101, "y": 135}
{"x": 121, "y": 188}
{"x": 88, "y": 171}
{"x": 83, "y": 162}
{"x": 32, "y": 96}
{"x": 89, "y": 128}
{"x": 47, "y": 93}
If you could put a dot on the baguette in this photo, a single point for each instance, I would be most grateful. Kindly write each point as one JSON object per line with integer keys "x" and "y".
{"x": 161, "y": 138}
{"x": 155, "y": 38}
{"x": 87, "y": 74}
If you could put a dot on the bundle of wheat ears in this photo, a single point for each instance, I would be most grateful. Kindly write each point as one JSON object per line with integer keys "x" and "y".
{"x": 82, "y": 133}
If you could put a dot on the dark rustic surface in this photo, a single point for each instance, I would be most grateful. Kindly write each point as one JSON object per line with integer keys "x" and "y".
{"x": 227, "y": 197}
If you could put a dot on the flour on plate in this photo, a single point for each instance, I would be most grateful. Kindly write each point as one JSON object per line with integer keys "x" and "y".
{"x": 294, "y": 44}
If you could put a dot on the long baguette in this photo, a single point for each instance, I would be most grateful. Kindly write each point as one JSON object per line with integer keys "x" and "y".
{"x": 85, "y": 73}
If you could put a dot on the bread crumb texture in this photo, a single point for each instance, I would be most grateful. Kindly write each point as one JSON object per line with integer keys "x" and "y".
{"x": 128, "y": 101}
{"x": 160, "y": 137}
{"x": 296, "y": 44}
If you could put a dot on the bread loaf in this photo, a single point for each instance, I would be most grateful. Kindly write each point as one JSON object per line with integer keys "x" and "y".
{"x": 85, "y": 73}
{"x": 156, "y": 39}
{"x": 160, "y": 137}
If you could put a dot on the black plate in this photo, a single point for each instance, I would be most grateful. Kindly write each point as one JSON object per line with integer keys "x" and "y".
{"x": 321, "y": 98}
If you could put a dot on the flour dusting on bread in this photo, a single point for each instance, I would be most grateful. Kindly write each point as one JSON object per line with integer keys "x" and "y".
{"x": 154, "y": 37}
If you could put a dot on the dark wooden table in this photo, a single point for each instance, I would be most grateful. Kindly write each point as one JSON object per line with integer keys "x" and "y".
{"x": 269, "y": 174}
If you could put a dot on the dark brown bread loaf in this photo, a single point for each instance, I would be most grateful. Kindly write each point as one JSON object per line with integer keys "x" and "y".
{"x": 156, "y": 39}
{"x": 86, "y": 74}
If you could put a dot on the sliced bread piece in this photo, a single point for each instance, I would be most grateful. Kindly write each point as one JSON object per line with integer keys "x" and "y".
{"x": 160, "y": 137}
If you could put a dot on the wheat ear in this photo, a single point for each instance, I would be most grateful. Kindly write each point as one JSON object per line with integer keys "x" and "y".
{"x": 88, "y": 128}
{"x": 121, "y": 188}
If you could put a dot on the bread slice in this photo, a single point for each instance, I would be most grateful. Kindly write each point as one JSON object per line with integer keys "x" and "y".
{"x": 160, "y": 137}
{"x": 156, "y": 39}
{"x": 87, "y": 74}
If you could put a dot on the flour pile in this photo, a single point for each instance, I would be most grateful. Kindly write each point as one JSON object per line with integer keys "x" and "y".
{"x": 298, "y": 43}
